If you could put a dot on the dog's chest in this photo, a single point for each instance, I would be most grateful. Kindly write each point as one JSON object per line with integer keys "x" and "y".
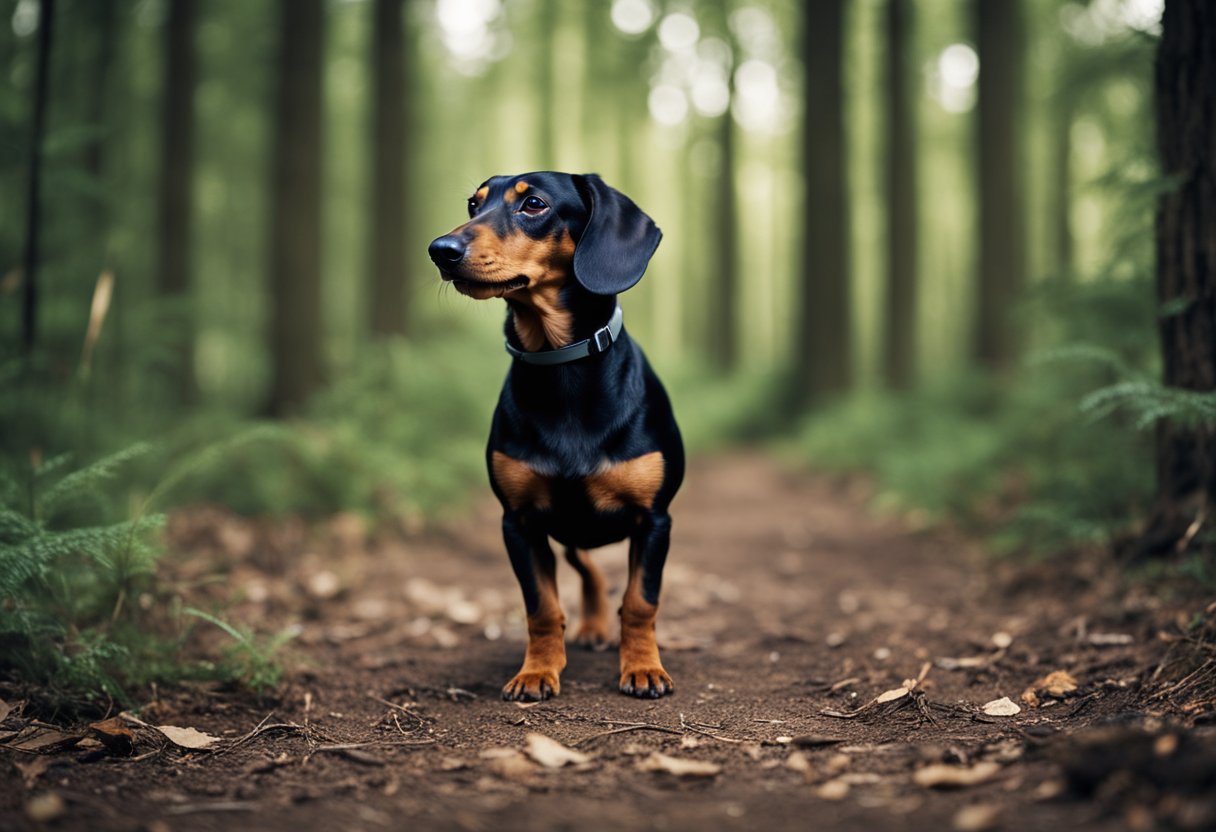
{"x": 614, "y": 485}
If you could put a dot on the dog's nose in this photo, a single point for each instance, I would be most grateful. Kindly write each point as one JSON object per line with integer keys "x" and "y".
{"x": 447, "y": 250}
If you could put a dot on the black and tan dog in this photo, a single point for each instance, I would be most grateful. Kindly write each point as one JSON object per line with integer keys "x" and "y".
{"x": 583, "y": 447}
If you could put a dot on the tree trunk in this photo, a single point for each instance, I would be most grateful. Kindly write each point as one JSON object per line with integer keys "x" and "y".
{"x": 295, "y": 222}
{"x": 1061, "y": 185}
{"x": 899, "y": 355}
{"x": 388, "y": 173}
{"x": 725, "y": 308}
{"x": 1186, "y": 268}
{"x": 1002, "y": 274}
{"x": 546, "y": 33}
{"x": 824, "y": 332}
{"x": 33, "y": 203}
{"x": 173, "y": 282}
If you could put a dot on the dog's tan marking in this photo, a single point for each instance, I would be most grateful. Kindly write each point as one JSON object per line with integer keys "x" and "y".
{"x": 632, "y": 482}
{"x": 519, "y": 482}
{"x": 592, "y": 629}
{"x": 545, "y": 658}
{"x": 482, "y": 192}
{"x": 641, "y": 668}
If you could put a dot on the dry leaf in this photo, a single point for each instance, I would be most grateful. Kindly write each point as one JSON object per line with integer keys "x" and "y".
{"x": 833, "y": 790}
{"x": 187, "y": 737}
{"x": 552, "y": 754}
{"x": 43, "y": 739}
{"x": 943, "y": 776}
{"x": 1029, "y": 698}
{"x": 678, "y": 767}
{"x": 977, "y": 817}
{"x": 1109, "y": 639}
{"x": 799, "y": 762}
{"x": 1057, "y": 683}
{"x": 45, "y": 807}
{"x": 508, "y": 762}
{"x": 891, "y": 695}
{"x": 115, "y": 736}
{"x": 1002, "y": 707}
{"x": 5, "y": 710}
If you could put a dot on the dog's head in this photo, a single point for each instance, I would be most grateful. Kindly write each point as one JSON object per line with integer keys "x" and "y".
{"x": 538, "y": 230}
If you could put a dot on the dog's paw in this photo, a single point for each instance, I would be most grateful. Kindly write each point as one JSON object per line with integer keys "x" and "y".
{"x": 592, "y": 635}
{"x": 531, "y": 687}
{"x": 646, "y": 682}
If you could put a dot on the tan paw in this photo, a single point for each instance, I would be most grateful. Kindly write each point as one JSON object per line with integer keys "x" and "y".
{"x": 532, "y": 686}
{"x": 592, "y": 635}
{"x": 646, "y": 681}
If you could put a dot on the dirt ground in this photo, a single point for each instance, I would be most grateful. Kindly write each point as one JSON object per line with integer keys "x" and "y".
{"x": 788, "y": 609}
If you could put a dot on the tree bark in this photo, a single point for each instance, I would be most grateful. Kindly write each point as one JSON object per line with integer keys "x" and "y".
{"x": 173, "y": 283}
{"x": 1186, "y": 267}
{"x": 295, "y": 223}
{"x": 33, "y": 204}
{"x": 388, "y": 173}
{"x": 1002, "y": 270}
{"x": 824, "y": 330}
{"x": 899, "y": 353}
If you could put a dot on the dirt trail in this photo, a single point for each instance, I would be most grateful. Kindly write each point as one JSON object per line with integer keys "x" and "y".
{"x": 783, "y": 599}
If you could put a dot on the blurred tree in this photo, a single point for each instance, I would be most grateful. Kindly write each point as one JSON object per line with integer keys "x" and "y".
{"x": 104, "y": 23}
{"x": 295, "y": 212}
{"x": 390, "y": 149}
{"x": 176, "y": 184}
{"x": 30, "y": 260}
{"x": 824, "y": 333}
{"x": 546, "y": 34}
{"x": 899, "y": 325}
{"x": 1002, "y": 270}
{"x": 725, "y": 304}
{"x": 1186, "y": 266}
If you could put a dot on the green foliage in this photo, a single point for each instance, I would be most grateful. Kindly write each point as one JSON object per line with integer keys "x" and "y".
{"x": 251, "y": 659}
{"x": 402, "y": 434}
{"x": 69, "y": 618}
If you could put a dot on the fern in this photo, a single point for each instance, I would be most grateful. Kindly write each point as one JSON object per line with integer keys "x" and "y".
{"x": 1149, "y": 402}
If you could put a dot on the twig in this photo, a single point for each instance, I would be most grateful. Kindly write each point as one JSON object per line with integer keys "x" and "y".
{"x": 688, "y": 726}
{"x": 351, "y": 746}
{"x": 421, "y": 719}
{"x": 635, "y": 727}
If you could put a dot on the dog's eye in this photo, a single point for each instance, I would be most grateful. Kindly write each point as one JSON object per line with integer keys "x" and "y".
{"x": 472, "y": 205}
{"x": 534, "y": 205}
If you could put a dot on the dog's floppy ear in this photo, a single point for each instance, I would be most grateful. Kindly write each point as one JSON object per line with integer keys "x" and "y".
{"x": 617, "y": 242}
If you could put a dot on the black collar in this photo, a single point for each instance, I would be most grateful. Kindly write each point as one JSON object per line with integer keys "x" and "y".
{"x": 599, "y": 342}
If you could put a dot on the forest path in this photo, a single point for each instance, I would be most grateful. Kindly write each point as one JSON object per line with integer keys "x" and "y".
{"x": 784, "y": 598}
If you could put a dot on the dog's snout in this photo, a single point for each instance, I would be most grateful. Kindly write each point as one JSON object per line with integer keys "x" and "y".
{"x": 447, "y": 250}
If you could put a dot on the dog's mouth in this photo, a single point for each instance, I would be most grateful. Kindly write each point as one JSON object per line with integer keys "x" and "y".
{"x": 475, "y": 288}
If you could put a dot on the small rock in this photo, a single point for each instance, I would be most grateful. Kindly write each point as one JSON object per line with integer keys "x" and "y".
{"x": 976, "y": 818}
{"x": 833, "y": 790}
{"x": 45, "y": 807}
{"x": 1002, "y": 707}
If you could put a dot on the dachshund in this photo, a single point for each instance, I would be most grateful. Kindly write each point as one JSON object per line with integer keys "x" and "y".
{"x": 584, "y": 447}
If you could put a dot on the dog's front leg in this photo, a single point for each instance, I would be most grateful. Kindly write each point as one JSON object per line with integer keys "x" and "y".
{"x": 536, "y": 570}
{"x": 642, "y": 673}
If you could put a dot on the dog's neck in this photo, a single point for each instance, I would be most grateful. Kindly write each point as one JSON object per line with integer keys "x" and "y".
{"x": 550, "y": 317}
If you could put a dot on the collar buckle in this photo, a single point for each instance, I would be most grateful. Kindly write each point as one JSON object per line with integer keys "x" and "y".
{"x": 601, "y": 340}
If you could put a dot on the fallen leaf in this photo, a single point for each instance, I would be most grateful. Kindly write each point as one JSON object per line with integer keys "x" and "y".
{"x": 977, "y": 817}
{"x": 944, "y": 776}
{"x": 187, "y": 737}
{"x": 44, "y": 807}
{"x": 1029, "y": 698}
{"x": 43, "y": 739}
{"x": 115, "y": 736}
{"x": 891, "y": 695}
{"x": 833, "y": 790}
{"x": 1109, "y": 639}
{"x": 508, "y": 762}
{"x": 1002, "y": 707}
{"x": 1058, "y": 683}
{"x": 5, "y": 710}
{"x": 552, "y": 754}
{"x": 815, "y": 740}
{"x": 799, "y": 762}
{"x": 964, "y": 663}
{"x": 678, "y": 767}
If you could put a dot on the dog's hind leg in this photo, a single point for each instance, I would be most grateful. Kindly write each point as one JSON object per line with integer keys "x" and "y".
{"x": 536, "y": 569}
{"x": 592, "y": 630}
{"x": 642, "y": 672}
